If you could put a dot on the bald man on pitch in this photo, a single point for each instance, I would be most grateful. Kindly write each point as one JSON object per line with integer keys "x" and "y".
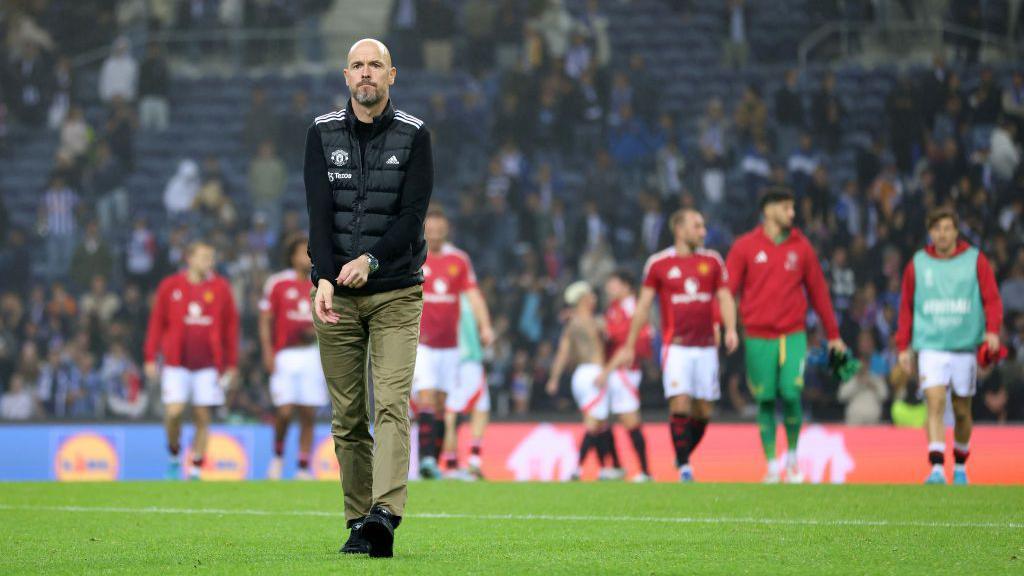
{"x": 369, "y": 174}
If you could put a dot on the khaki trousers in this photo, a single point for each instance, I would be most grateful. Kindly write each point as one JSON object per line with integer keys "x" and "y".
{"x": 385, "y": 327}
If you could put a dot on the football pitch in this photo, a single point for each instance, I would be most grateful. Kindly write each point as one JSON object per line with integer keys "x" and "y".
{"x": 496, "y": 528}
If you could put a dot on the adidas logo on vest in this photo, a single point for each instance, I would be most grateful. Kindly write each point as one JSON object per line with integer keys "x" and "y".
{"x": 393, "y": 161}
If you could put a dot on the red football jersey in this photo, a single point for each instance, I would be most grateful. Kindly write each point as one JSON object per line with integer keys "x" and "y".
{"x": 617, "y": 320}
{"x": 286, "y": 298}
{"x": 446, "y": 275}
{"x": 686, "y": 288}
{"x": 194, "y": 326}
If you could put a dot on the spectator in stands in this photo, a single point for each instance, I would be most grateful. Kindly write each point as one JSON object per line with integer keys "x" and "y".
{"x": 1004, "y": 153}
{"x": 437, "y": 28}
{"x": 267, "y": 179}
{"x": 985, "y": 102}
{"x": 119, "y": 76}
{"x": 91, "y": 257}
{"x": 213, "y": 204}
{"x": 75, "y": 136}
{"x": 30, "y": 86}
{"x": 154, "y": 90}
{"x": 119, "y": 133}
{"x": 5, "y": 224}
{"x": 479, "y": 22}
{"x": 1013, "y": 101}
{"x": 965, "y": 14}
{"x": 18, "y": 402}
{"x": 1012, "y": 289}
{"x": 789, "y": 113}
{"x": 751, "y": 116}
{"x": 906, "y": 124}
{"x": 57, "y": 215}
{"x": 122, "y": 383}
{"x": 182, "y": 189}
{"x": 508, "y": 33}
{"x": 827, "y": 113}
{"x": 60, "y": 104}
{"x": 99, "y": 304}
{"x": 715, "y": 148}
{"x": 865, "y": 393}
{"x": 555, "y": 25}
{"x": 104, "y": 188}
{"x": 594, "y": 24}
{"x": 736, "y": 50}
{"x": 256, "y": 127}
{"x": 290, "y": 135}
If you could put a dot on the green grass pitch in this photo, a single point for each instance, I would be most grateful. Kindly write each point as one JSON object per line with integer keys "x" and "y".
{"x": 493, "y": 528}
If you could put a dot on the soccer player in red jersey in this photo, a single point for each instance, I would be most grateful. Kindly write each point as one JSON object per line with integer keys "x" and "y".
{"x": 624, "y": 382}
{"x": 447, "y": 273}
{"x": 689, "y": 281}
{"x": 194, "y": 329}
{"x": 290, "y": 354}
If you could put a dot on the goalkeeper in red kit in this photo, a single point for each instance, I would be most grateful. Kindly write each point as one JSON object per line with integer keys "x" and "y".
{"x": 773, "y": 271}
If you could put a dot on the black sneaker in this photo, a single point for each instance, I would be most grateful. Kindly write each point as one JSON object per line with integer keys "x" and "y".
{"x": 379, "y": 532}
{"x": 356, "y": 543}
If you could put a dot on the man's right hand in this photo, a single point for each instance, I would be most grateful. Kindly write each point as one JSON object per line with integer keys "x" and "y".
{"x": 323, "y": 304}
{"x": 552, "y": 387}
{"x": 150, "y": 371}
{"x": 906, "y": 362}
{"x": 268, "y": 360}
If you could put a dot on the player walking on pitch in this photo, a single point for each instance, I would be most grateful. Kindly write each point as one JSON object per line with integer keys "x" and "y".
{"x": 193, "y": 327}
{"x": 689, "y": 281}
{"x": 581, "y": 345}
{"x": 447, "y": 274}
{"x": 950, "y": 305}
{"x": 624, "y": 380}
{"x": 469, "y": 396}
{"x": 291, "y": 356}
{"x": 770, "y": 268}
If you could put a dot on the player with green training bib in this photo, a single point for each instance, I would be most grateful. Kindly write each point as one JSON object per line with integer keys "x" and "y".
{"x": 770, "y": 268}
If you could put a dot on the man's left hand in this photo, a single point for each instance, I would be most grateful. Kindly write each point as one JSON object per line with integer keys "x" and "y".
{"x": 992, "y": 339}
{"x": 837, "y": 345}
{"x": 355, "y": 273}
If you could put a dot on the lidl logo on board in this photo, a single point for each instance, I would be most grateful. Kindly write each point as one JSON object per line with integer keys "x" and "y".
{"x": 325, "y": 463}
{"x": 226, "y": 458}
{"x": 86, "y": 457}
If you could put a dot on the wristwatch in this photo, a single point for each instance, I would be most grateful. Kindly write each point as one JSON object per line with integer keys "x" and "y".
{"x": 372, "y": 261}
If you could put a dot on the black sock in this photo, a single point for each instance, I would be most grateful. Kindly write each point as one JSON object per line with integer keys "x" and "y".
{"x": 173, "y": 449}
{"x": 613, "y": 452}
{"x": 960, "y": 456}
{"x": 197, "y": 462}
{"x": 426, "y": 435}
{"x": 936, "y": 457}
{"x": 585, "y": 447}
{"x": 438, "y": 435}
{"x": 680, "y": 427}
{"x": 698, "y": 427}
{"x": 601, "y": 441}
{"x": 640, "y": 445}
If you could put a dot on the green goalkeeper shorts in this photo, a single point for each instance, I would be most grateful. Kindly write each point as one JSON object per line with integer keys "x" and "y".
{"x": 775, "y": 366}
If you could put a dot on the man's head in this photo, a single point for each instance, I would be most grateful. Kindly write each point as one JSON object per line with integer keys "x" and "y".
{"x": 688, "y": 227}
{"x": 199, "y": 258}
{"x": 435, "y": 229}
{"x": 297, "y": 254}
{"x": 580, "y": 296}
{"x": 778, "y": 208}
{"x": 618, "y": 286}
{"x": 369, "y": 73}
{"x": 943, "y": 230}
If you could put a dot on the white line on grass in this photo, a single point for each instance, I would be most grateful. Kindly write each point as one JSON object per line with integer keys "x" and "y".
{"x": 541, "y": 517}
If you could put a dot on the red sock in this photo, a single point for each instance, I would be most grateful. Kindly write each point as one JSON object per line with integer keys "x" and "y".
{"x": 278, "y": 448}
{"x": 303, "y": 460}
{"x": 474, "y": 449}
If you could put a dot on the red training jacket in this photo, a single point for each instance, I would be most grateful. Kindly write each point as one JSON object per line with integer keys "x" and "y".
{"x": 770, "y": 280}
{"x": 166, "y": 331}
{"x": 990, "y": 299}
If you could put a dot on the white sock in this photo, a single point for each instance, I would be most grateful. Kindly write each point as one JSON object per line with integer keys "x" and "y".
{"x": 937, "y": 447}
{"x": 773, "y": 464}
{"x": 960, "y": 467}
{"x": 791, "y": 459}
{"x": 937, "y": 468}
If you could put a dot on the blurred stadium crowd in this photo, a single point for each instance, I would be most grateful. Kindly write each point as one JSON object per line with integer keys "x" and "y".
{"x": 558, "y": 156}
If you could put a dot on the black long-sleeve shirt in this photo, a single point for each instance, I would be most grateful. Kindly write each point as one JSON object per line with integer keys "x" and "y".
{"x": 415, "y": 197}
